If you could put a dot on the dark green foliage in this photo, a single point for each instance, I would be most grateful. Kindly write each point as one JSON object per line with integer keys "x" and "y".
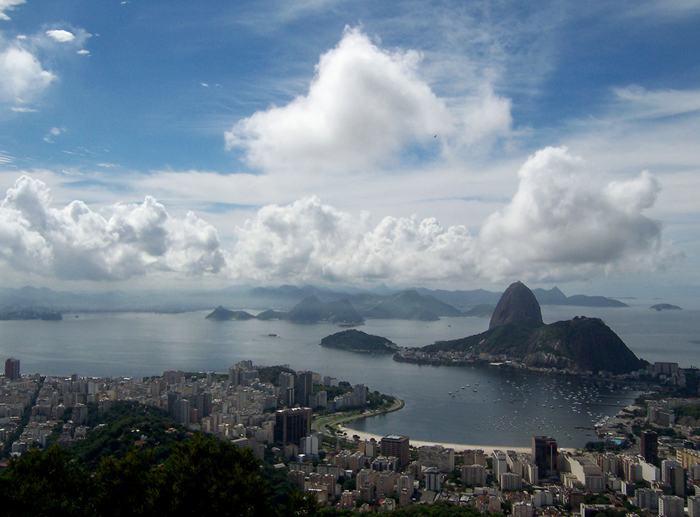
{"x": 690, "y": 410}
{"x": 115, "y": 472}
{"x": 51, "y": 483}
{"x": 357, "y": 341}
{"x": 332, "y": 391}
{"x": 376, "y": 400}
{"x": 271, "y": 374}
{"x": 438, "y": 510}
{"x": 587, "y": 343}
{"x": 596, "y": 499}
{"x": 126, "y": 425}
{"x": 603, "y": 446}
{"x": 204, "y": 475}
{"x": 126, "y": 486}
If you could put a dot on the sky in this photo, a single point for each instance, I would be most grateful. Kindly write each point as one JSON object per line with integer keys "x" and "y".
{"x": 445, "y": 144}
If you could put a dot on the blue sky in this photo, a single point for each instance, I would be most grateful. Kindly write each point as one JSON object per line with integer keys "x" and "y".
{"x": 421, "y": 111}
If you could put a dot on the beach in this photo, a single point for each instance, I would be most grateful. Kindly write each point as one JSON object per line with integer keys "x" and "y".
{"x": 458, "y": 447}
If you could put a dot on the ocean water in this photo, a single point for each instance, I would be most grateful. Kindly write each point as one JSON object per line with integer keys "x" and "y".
{"x": 495, "y": 407}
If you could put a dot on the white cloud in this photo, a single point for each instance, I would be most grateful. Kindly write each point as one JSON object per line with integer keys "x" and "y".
{"x": 363, "y": 106}
{"x": 83, "y": 52}
{"x": 641, "y": 103}
{"x": 8, "y": 5}
{"x": 565, "y": 222}
{"x": 77, "y": 243}
{"x": 559, "y": 226}
{"x": 60, "y": 35}
{"x": 23, "y": 109}
{"x": 22, "y": 76}
{"x": 308, "y": 240}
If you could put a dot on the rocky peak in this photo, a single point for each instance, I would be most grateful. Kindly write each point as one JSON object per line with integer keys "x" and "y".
{"x": 517, "y": 305}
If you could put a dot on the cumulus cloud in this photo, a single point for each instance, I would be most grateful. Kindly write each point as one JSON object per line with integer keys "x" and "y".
{"x": 8, "y": 5}
{"x": 60, "y": 35}
{"x": 78, "y": 243}
{"x": 309, "y": 240}
{"x": 558, "y": 225}
{"x": 363, "y": 105}
{"x": 22, "y": 76}
{"x": 561, "y": 224}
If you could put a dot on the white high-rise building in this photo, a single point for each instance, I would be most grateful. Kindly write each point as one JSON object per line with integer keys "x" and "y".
{"x": 500, "y": 465}
{"x": 309, "y": 444}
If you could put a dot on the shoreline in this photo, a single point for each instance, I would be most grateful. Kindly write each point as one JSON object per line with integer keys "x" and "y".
{"x": 512, "y": 365}
{"x": 330, "y": 426}
{"x": 458, "y": 447}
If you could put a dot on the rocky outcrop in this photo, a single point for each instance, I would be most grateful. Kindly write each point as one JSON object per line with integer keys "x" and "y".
{"x": 517, "y": 333}
{"x": 517, "y": 305}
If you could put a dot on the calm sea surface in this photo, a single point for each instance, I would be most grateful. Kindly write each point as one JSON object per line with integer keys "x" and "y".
{"x": 494, "y": 407}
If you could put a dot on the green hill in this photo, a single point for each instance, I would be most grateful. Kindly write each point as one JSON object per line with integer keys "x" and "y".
{"x": 357, "y": 341}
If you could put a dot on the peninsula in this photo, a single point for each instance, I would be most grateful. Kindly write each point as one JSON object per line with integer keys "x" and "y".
{"x": 518, "y": 335}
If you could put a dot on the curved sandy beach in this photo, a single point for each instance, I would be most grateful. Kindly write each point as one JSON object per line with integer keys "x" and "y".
{"x": 456, "y": 446}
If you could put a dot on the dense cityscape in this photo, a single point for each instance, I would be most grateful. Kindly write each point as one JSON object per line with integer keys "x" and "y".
{"x": 647, "y": 461}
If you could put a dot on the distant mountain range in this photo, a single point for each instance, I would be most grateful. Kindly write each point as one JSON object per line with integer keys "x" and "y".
{"x": 553, "y": 296}
{"x": 406, "y": 303}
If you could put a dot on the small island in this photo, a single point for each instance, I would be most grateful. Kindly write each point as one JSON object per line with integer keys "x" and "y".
{"x": 357, "y": 341}
{"x": 30, "y": 314}
{"x": 665, "y": 307}
{"x": 222, "y": 314}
